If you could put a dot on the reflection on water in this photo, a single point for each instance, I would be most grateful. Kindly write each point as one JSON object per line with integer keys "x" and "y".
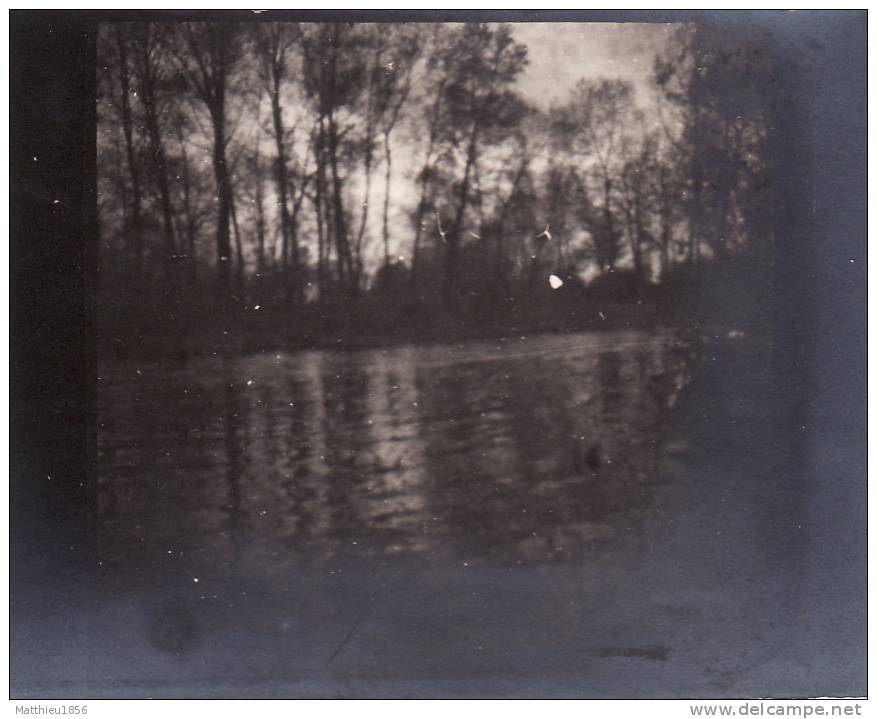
{"x": 529, "y": 450}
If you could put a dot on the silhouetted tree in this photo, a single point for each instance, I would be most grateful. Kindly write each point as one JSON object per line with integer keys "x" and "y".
{"x": 718, "y": 86}
{"x": 274, "y": 46}
{"x": 207, "y": 60}
{"x": 593, "y": 124}
{"x": 125, "y": 92}
{"x": 481, "y": 109}
{"x": 333, "y": 75}
{"x": 637, "y": 199}
{"x": 393, "y": 90}
{"x": 149, "y": 43}
{"x": 432, "y": 100}
{"x": 191, "y": 193}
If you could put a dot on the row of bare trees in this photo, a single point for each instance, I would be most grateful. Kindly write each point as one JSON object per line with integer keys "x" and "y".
{"x": 315, "y": 164}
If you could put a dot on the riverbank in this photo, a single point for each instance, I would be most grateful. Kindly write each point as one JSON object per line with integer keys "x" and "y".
{"x": 261, "y": 328}
{"x": 727, "y": 296}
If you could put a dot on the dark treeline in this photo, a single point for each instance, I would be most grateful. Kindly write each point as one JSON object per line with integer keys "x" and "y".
{"x": 301, "y": 183}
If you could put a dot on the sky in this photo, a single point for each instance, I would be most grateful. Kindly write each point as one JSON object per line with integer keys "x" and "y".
{"x": 562, "y": 53}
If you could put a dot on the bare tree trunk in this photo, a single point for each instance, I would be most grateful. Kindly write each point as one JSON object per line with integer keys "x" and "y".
{"x": 239, "y": 251}
{"x": 290, "y": 250}
{"x": 369, "y": 159}
{"x": 636, "y": 235}
{"x": 346, "y": 270}
{"x": 130, "y": 152}
{"x": 694, "y": 212}
{"x": 190, "y": 221}
{"x": 694, "y": 204}
{"x": 223, "y": 238}
{"x": 631, "y": 233}
{"x": 484, "y": 249}
{"x": 499, "y": 267}
{"x": 297, "y": 289}
{"x": 610, "y": 227}
{"x": 319, "y": 200}
{"x": 387, "y": 177}
{"x": 148, "y": 96}
{"x": 120, "y": 176}
{"x": 215, "y": 49}
{"x": 260, "y": 222}
{"x": 666, "y": 205}
{"x": 424, "y": 184}
{"x": 631, "y": 189}
{"x": 357, "y": 251}
{"x": 725, "y": 185}
{"x": 453, "y": 237}
{"x": 665, "y": 249}
{"x": 415, "y": 248}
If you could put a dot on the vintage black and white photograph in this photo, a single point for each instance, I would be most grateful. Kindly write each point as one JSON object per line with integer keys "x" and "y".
{"x": 438, "y": 356}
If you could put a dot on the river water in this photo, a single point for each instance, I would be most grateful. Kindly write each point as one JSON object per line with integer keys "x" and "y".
{"x": 530, "y": 449}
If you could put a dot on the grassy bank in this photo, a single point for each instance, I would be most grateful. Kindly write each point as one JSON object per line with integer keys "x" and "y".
{"x": 726, "y": 296}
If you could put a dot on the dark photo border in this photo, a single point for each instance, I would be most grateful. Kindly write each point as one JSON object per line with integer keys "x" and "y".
{"x": 820, "y": 156}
